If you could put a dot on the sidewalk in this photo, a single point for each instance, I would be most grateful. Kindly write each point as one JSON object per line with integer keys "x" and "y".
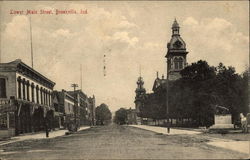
{"x": 239, "y": 146}
{"x": 39, "y": 135}
{"x": 163, "y": 130}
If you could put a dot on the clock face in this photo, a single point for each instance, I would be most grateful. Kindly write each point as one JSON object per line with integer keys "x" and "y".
{"x": 177, "y": 44}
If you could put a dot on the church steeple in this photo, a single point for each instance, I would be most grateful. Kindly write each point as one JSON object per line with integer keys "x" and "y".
{"x": 176, "y": 53}
{"x": 140, "y": 94}
{"x": 175, "y": 28}
{"x": 140, "y": 90}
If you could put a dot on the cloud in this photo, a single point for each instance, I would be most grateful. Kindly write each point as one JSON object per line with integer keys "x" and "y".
{"x": 190, "y": 21}
{"x": 216, "y": 40}
{"x": 124, "y": 38}
{"x": 126, "y": 24}
{"x": 61, "y": 32}
{"x": 17, "y": 28}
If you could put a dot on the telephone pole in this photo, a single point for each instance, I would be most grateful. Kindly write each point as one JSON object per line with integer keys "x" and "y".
{"x": 167, "y": 103}
{"x": 81, "y": 76}
{"x": 74, "y": 85}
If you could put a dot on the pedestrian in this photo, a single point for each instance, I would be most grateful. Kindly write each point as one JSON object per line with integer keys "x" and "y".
{"x": 46, "y": 129}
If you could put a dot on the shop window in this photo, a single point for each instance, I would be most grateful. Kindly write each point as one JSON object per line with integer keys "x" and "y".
{"x": 3, "y": 88}
{"x": 3, "y": 121}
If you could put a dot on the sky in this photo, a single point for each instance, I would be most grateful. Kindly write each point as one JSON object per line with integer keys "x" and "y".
{"x": 130, "y": 34}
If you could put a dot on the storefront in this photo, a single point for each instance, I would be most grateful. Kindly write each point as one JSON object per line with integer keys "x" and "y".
{"x": 7, "y": 118}
{"x": 19, "y": 117}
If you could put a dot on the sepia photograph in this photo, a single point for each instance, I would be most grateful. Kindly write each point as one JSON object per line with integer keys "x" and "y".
{"x": 124, "y": 79}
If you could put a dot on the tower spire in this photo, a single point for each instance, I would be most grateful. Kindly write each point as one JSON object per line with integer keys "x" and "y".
{"x": 140, "y": 70}
{"x": 175, "y": 28}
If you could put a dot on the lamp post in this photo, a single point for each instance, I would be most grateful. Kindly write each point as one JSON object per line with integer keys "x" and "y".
{"x": 167, "y": 104}
{"x": 75, "y": 108}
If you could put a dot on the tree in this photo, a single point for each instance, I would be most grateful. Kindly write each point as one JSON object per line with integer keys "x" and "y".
{"x": 195, "y": 95}
{"x": 232, "y": 89}
{"x": 103, "y": 114}
{"x": 121, "y": 116}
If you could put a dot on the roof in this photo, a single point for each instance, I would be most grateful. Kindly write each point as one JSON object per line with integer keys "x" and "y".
{"x": 79, "y": 91}
{"x": 175, "y": 24}
{"x": 159, "y": 83}
{"x": 173, "y": 43}
{"x": 19, "y": 66}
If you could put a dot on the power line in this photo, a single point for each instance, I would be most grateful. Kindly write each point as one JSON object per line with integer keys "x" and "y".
{"x": 104, "y": 65}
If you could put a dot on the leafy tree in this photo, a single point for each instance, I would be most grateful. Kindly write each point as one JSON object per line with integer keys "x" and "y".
{"x": 198, "y": 91}
{"x": 103, "y": 114}
{"x": 121, "y": 116}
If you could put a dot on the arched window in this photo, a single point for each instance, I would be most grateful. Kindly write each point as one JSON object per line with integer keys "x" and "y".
{"x": 178, "y": 63}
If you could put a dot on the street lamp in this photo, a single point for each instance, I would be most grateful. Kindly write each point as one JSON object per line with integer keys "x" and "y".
{"x": 75, "y": 108}
{"x": 167, "y": 104}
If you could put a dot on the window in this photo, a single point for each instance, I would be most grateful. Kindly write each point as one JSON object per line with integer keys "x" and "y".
{"x": 41, "y": 92}
{"x": 45, "y": 97}
{"x": 178, "y": 63}
{"x": 37, "y": 94}
{"x": 49, "y": 97}
{"x": 24, "y": 89}
{"x": 19, "y": 88}
{"x": 56, "y": 107}
{"x": 32, "y": 92}
{"x": 28, "y": 90}
{"x": 69, "y": 107}
{"x": 3, "y": 88}
{"x": 3, "y": 121}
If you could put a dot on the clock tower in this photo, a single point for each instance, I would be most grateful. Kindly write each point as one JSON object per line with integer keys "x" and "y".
{"x": 176, "y": 54}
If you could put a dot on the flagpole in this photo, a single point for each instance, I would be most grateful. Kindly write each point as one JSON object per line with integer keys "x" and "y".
{"x": 81, "y": 75}
{"x": 31, "y": 45}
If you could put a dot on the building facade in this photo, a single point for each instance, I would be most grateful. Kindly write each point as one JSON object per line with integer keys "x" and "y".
{"x": 153, "y": 105}
{"x": 139, "y": 99}
{"x": 67, "y": 110}
{"x": 176, "y": 54}
{"x": 86, "y": 107}
{"x": 92, "y": 107}
{"x": 131, "y": 116}
{"x": 25, "y": 99}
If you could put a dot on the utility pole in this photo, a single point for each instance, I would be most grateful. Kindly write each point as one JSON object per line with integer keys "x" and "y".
{"x": 81, "y": 75}
{"x": 31, "y": 45}
{"x": 167, "y": 103}
{"x": 75, "y": 107}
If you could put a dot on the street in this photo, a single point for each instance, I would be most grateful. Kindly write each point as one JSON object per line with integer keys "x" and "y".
{"x": 117, "y": 142}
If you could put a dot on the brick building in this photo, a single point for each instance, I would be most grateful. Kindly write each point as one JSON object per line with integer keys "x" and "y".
{"x": 131, "y": 116}
{"x": 67, "y": 109}
{"x": 25, "y": 99}
{"x": 86, "y": 107}
{"x": 92, "y": 110}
